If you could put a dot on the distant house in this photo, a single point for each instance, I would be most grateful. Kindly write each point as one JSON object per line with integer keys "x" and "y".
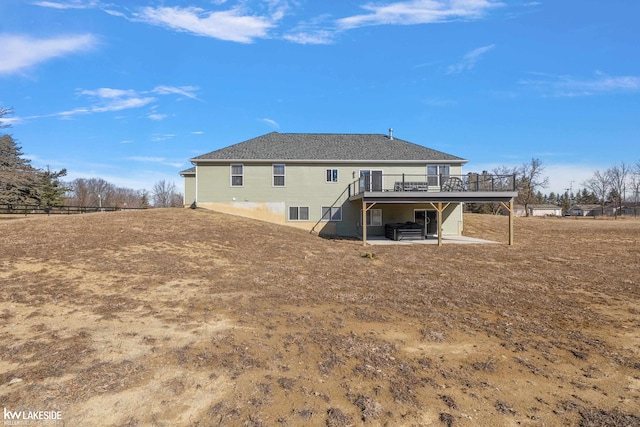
{"x": 341, "y": 184}
{"x": 631, "y": 210}
{"x": 538, "y": 210}
{"x": 585, "y": 210}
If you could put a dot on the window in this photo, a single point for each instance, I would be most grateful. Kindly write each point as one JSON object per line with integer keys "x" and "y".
{"x": 370, "y": 180}
{"x": 332, "y": 175}
{"x": 237, "y": 175}
{"x": 434, "y": 172}
{"x": 298, "y": 213}
{"x": 331, "y": 213}
{"x": 374, "y": 217}
{"x": 278, "y": 175}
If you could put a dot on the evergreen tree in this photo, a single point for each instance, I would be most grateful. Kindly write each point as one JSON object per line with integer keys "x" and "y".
{"x": 21, "y": 183}
{"x": 18, "y": 179}
{"x": 52, "y": 191}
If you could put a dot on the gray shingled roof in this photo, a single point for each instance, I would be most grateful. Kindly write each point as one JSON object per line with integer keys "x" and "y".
{"x": 321, "y": 146}
{"x": 190, "y": 171}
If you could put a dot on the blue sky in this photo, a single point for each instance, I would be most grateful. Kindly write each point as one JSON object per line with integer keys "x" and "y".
{"x": 130, "y": 93}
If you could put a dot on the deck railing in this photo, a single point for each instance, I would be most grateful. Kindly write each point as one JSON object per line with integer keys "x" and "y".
{"x": 471, "y": 182}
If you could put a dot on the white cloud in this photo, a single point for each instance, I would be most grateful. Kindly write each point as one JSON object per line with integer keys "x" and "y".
{"x": 319, "y": 30}
{"x": 107, "y": 92}
{"x": 160, "y": 160}
{"x": 19, "y": 53}
{"x": 156, "y": 116}
{"x": 310, "y": 37}
{"x": 568, "y": 86}
{"x": 74, "y": 4}
{"x": 197, "y": 132}
{"x": 231, "y": 25}
{"x": 270, "y": 122}
{"x": 158, "y": 137}
{"x": 186, "y": 91}
{"x": 469, "y": 60}
{"x": 418, "y": 12}
{"x": 123, "y": 104}
{"x": 115, "y": 13}
{"x": 109, "y": 99}
{"x": 10, "y": 121}
{"x": 175, "y": 164}
{"x": 111, "y": 104}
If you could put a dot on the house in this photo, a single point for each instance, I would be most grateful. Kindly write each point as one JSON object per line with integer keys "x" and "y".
{"x": 341, "y": 184}
{"x": 584, "y": 210}
{"x": 545, "y": 209}
{"x": 631, "y": 209}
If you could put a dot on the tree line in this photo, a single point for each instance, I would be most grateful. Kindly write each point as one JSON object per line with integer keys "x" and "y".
{"x": 614, "y": 186}
{"x": 23, "y": 184}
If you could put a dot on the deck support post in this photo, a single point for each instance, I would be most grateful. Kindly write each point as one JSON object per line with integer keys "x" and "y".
{"x": 511, "y": 223}
{"x": 365, "y": 209}
{"x": 439, "y": 209}
{"x": 364, "y": 222}
{"x": 509, "y": 208}
{"x": 439, "y": 223}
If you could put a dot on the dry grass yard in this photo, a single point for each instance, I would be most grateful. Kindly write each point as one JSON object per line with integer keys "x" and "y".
{"x": 192, "y": 318}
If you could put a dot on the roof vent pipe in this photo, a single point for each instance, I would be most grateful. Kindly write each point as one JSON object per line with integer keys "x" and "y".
{"x": 390, "y": 133}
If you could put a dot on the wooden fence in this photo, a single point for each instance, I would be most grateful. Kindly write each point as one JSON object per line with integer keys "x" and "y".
{"x": 54, "y": 210}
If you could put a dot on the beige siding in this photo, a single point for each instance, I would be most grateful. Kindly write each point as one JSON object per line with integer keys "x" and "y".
{"x": 306, "y": 186}
{"x": 189, "y": 189}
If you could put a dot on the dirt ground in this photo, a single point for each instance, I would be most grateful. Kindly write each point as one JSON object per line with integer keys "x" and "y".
{"x": 180, "y": 317}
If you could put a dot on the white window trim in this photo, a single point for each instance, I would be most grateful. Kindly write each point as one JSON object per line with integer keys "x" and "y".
{"x": 298, "y": 208}
{"x": 332, "y": 212}
{"x": 438, "y": 183}
{"x": 273, "y": 175}
{"x": 231, "y": 174}
{"x": 337, "y": 174}
{"x": 371, "y": 174}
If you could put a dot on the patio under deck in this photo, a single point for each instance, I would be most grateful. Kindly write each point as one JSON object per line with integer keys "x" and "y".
{"x": 471, "y": 188}
{"x": 432, "y": 240}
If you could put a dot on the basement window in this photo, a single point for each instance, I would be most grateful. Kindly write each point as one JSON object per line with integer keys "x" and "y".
{"x": 330, "y": 213}
{"x": 298, "y": 213}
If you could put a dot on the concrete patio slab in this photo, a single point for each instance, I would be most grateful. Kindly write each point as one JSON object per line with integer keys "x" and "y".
{"x": 431, "y": 240}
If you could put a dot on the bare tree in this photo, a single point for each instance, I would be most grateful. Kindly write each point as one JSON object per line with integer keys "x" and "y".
{"x": 92, "y": 192}
{"x": 635, "y": 186}
{"x": 165, "y": 195}
{"x": 618, "y": 176}
{"x": 129, "y": 198}
{"x": 98, "y": 192}
{"x": 599, "y": 185}
{"x": 530, "y": 182}
{"x": 503, "y": 172}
